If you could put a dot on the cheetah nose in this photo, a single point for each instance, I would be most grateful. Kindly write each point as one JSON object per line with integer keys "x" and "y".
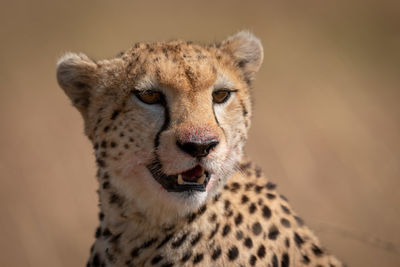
{"x": 198, "y": 149}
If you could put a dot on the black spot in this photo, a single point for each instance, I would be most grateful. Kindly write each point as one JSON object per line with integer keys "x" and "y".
{"x": 256, "y": 228}
{"x": 270, "y": 186}
{"x": 135, "y": 252}
{"x": 106, "y": 233}
{"x": 216, "y": 253}
{"x": 116, "y": 199}
{"x": 270, "y": 196}
{"x": 226, "y": 230}
{"x": 233, "y": 253}
{"x": 248, "y": 186}
{"x": 202, "y": 209}
{"x": 101, "y": 216}
{"x": 274, "y": 261}
{"x": 227, "y": 204}
{"x": 186, "y": 256}
{"x": 287, "y": 242}
{"x": 238, "y": 219}
{"x": 213, "y": 217}
{"x": 106, "y": 185}
{"x": 156, "y": 259}
{"x": 285, "y": 209}
{"x": 298, "y": 240}
{"x": 106, "y": 128}
{"x": 113, "y": 144}
{"x": 115, "y": 238}
{"x": 149, "y": 242}
{"x": 248, "y": 242}
{"x": 261, "y": 251}
{"x": 299, "y": 220}
{"x": 305, "y": 259}
{"x": 235, "y": 185}
{"x": 96, "y": 145}
{"x": 283, "y": 197}
{"x": 196, "y": 239}
{"x": 168, "y": 228}
{"x": 165, "y": 240}
{"x": 258, "y": 189}
{"x": 285, "y": 222}
{"x": 217, "y": 197}
{"x": 253, "y": 260}
{"x": 285, "y": 260}
{"x": 316, "y": 250}
{"x": 258, "y": 172}
{"x": 273, "y": 232}
{"x": 191, "y": 217}
{"x": 252, "y": 208}
{"x": 115, "y": 114}
{"x": 212, "y": 234}
{"x": 198, "y": 258}
{"x": 245, "y": 166}
{"x": 167, "y": 264}
{"x": 101, "y": 163}
{"x": 239, "y": 235}
{"x": 96, "y": 260}
{"x": 179, "y": 242}
{"x": 98, "y": 232}
{"x": 245, "y": 199}
{"x": 266, "y": 212}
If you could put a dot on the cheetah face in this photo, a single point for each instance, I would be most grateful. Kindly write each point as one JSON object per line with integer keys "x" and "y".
{"x": 168, "y": 120}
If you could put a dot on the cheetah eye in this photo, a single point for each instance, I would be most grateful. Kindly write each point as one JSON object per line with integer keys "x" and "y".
{"x": 221, "y": 96}
{"x": 149, "y": 97}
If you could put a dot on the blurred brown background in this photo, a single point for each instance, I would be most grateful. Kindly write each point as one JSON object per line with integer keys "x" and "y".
{"x": 326, "y": 125}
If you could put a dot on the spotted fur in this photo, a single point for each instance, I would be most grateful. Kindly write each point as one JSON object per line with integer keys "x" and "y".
{"x": 239, "y": 219}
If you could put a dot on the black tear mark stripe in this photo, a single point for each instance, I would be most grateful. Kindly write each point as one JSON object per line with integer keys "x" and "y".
{"x": 165, "y": 126}
{"x": 216, "y": 119}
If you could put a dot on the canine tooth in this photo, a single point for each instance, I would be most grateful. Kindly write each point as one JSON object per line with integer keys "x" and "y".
{"x": 180, "y": 180}
{"x": 201, "y": 179}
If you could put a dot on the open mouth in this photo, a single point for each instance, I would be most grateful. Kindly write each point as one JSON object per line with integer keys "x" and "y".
{"x": 195, "y": 179}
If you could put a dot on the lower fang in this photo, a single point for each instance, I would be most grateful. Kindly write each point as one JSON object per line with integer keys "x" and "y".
{"x": 180, "y": 180}
{"x": 201, "y": 179}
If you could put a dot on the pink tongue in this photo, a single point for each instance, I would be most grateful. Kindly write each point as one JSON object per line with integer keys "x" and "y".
{"x": 193, "y": 174}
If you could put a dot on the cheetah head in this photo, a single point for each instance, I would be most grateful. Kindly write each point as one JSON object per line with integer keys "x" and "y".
{"x": 168, "y": 121}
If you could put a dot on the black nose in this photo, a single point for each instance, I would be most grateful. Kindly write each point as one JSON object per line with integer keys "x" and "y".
{"x": 197, "y": 150}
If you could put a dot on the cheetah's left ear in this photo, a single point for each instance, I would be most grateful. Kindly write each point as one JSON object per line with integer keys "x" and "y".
{"x": 247, "y": 51}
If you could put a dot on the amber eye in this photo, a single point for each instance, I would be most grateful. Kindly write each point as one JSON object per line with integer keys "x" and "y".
{"x": 148, "y": 96}
{"x": 220, "y": 96}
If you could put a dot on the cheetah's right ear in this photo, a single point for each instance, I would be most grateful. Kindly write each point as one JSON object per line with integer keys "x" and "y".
{"x": 76, "y": 75}
{"x": 247, "y": 51}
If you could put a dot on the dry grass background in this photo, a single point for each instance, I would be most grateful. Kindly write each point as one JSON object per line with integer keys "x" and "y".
{"x": 326, "y": 126}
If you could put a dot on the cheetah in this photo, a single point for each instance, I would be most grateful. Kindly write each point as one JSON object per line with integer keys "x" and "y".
{"x": 168, "y": 122}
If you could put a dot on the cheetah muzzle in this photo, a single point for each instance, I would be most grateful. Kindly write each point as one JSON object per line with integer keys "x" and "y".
{"x": 194, "y": 179}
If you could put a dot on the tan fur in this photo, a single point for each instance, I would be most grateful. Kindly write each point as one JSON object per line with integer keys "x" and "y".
{"x": 240, "y": 220}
